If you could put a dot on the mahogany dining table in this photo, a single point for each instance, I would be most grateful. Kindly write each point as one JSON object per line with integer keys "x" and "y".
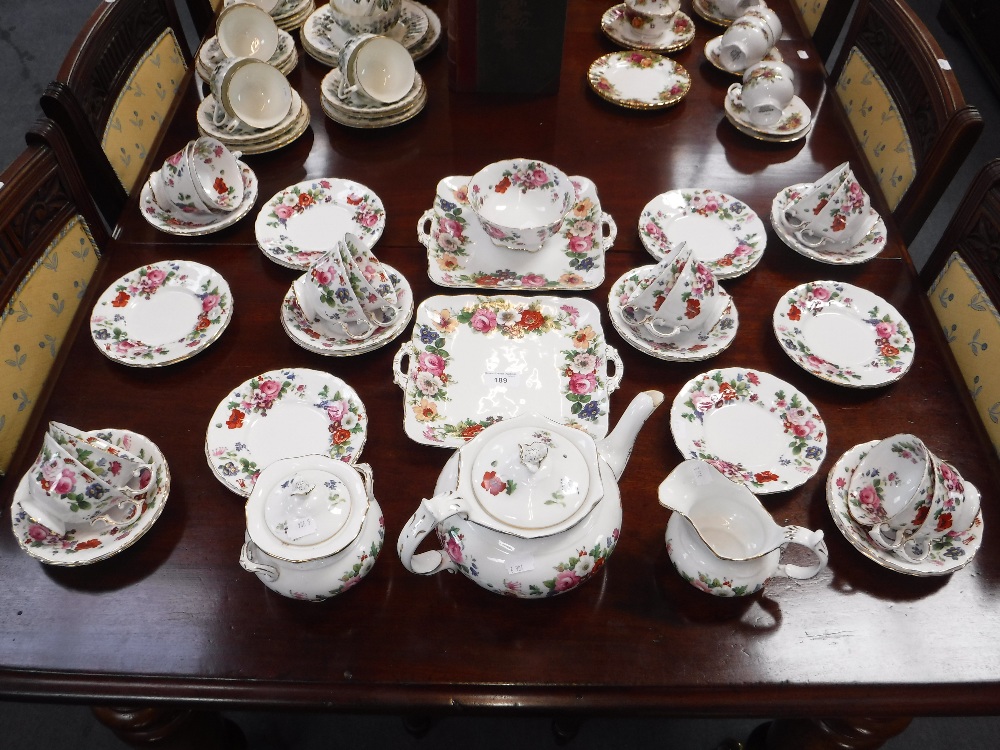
{"x": 168, "y": 633}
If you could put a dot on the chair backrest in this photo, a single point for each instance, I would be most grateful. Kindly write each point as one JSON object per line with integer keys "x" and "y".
{"x": 962, "y": 276}
{"x": 203, "y": 13}
{"x": 906, "y": 110}
{"x": 114, "y": 93}
{"x": 824, "y": 21}
{"x": 50, "y": 242}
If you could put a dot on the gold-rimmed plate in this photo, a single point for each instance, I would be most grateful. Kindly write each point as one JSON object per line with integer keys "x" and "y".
{"x": 639, "y": 79}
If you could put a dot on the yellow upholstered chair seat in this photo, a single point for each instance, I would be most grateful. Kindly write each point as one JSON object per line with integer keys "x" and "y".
{"x": 142, "y": 107}
{"x": 812, "y": 11}
{"x": 34, "y": 325}
{"x": 971, "y": 325}
{"x": 876, "y": 122}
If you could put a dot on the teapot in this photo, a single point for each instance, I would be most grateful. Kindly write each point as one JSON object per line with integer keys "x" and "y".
{"x": 721, "y": 539}
{"x": 529, "y": 507}
{"x": 314, "y": 528}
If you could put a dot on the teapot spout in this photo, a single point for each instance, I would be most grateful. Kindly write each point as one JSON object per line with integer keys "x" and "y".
{"x": 616, "y": 448}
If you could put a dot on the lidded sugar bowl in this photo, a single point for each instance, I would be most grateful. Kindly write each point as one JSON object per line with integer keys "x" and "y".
{"x": 314, "y": 528}
{"x": 529, "y": 507}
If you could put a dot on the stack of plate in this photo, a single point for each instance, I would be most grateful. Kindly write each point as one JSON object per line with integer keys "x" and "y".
{"x": 210, "y": 54}
{"x": 358, "y": 113}
{"x": 419, "y": 30}
{"x": 252, "y": 140}
{"x": 795, "y": 122}
{"x": 291, "y": 14}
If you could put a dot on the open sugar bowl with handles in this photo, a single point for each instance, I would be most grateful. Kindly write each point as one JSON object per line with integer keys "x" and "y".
{"x": 529, "y": 507}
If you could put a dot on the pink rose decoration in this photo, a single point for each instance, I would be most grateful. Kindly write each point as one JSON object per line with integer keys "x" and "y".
{"x": 532, "y": 279}
{"x": 65, "y": 482}
{"x": 337, "y": 410}
{"x": 37, "y": 532}
{"x": 566, "y": 579}
{"x": 369, "y": 219}
{"x": 580, "y": 244}
{"x": 483, "y": 320}
{"x": 209, "y": 301}
{"x": 821, "y": 293}
{"x": 454, "y": 550}
{"x": 580, "y": 383}
{"x": 868, "y": 498}
{"x": 885, "y": 330}
{"x": 156, "y": 276}
{"x": 432, "y": 363}
{"x": 284, "y": 212}
{"x": 270, "y": 387}
{"x": 323, "y": 278}
{"x": 538, "y": 177}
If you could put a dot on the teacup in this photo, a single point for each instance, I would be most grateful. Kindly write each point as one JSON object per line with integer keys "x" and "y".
{"x": 370, "y": 282}
{"x": 835, "y": 213}
{"x": 174, "y": 190}
{"x": 891, "y": 484}
{"x": 678, "y": 295}
{"x": 521, "y": 203}
{"x": 269, "y": 6}
{"x": 366, "y": 16}
{"x": 245, "y": 30}
{"x": 745, "y": 43}
{"x": 113, "y": 464}
{"x": 768, "y": 17}
{"x": 767, "y": 88}
{"x": 249, "y": 91}
{"x": 732, "y": 8}
{"x": 648, "y": 19}
{"x": 375, "y": 67}
{"x": 216, "y": 171}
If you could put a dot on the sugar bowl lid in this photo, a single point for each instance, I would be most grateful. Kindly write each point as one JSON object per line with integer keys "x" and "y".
{"x": 307, "y": 507}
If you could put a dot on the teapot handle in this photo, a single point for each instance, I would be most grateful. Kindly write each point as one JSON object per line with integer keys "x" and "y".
{"x": 615, "y": 379}
{"x": 247, "y": 563}
{"x": 609, "y": 231}
{"x": 399, "y": 377}
{"x": 812, "y": 540}
{"x": 414, "y": 530}
{"x": 424, "y": 230}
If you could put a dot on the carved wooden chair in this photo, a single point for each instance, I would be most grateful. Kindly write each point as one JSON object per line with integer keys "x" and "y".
{"x": 824, "y": 20}
{"x": 50, "y": 241}
{"x": 962, "y": 276}
{"x": 114, "y": 93}
{"x": 905, "y": 108}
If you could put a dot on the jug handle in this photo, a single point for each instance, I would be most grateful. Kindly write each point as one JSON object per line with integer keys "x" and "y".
{"x": 812, "y": 540}
{"x": 414, "y": 530}
{"x": 247, "y": 563}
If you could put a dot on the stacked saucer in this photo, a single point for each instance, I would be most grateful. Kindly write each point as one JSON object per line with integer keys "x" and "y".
{"x": 678, "y": 34}
{"x": 794, "y": 124}
{"x": 418, "y": 29}
{"x": 358, "y": 111}
{"x": 713, "y": 45}
{"x": 210, "y": 54}
{"x": 291, "y": 14}
{"x": 251, "y": 140}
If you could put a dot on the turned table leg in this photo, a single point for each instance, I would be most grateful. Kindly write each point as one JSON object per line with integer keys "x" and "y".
{"x": 170, "y": 728}
{"x": 826, "y": 734}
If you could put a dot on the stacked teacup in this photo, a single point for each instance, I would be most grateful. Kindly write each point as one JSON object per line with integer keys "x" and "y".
{"x": 767, "y": 89}
{"x": 905, "y": 497}
{"x": 650, "y": 19}
{"x": 288, "y": 15}
{"x": 834, "y": 213}
{"x": 749, "y": 38}
{"x": 678, "y": 298}
{"x": 79, "y": 479}
{"x": 199, "y": 185}
{"x": 730, "y": 10}
{"x": 347, "y": 294}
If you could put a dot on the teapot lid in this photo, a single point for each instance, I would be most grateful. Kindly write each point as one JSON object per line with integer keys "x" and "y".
{"x": 531, "y": 478}
{"x": 306, "y": 508}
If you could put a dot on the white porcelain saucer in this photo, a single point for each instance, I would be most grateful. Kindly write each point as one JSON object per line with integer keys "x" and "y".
{"x": 162, "y": 313}
{"x": 210, "y": 54}
{"x": 300, "y": 329}
{"x": 282, "y": 414}
{"x": 461, "y": 255}
{"x": 947, "y": 554}
{"x": 843, "y": 334}
{"x": 712, "y": 55}
{"x": 419, "y": 30}
{"x": 794, "y": 125}
{"x": 358, "y": 113}
{"x": 172, "y": 224}
{"x": 296, "y": 225}
{"x": 691, "y": 346}
{"x": 617, "y": 29}
{"x": 638, "y": 79}
{"x": 870, "y": 245}
{"x": 724, "y": 232}
{"x": 89, "y": 544}
{"x": 706, "y": 10}
{"x": 753, "y": 427}
{"x": 293, "y": 14}
{"x": 253, "y": 141}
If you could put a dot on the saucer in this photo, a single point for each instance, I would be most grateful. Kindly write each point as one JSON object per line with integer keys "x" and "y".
{"x": 210, "y": 54}
{"x": 947, "y": 554}
{"x": 282, "y": 414}
{"x": 461, "y": 255}
{"x": 724, "y": 232}
{"x": 706, "y": 9}
{"x": 161, "y": 313}
{"x": 418, "y": 29}
{"x": 169, "y": 223}
{"x": 301, "y": 330}
{"x": 751, "y": 426}
{"x": 690, "y": 346}
{"x": 870, "y": 245}
{"x": 293, "y": 14}
{"x": 364, "y": 113}
{"x": 251, "y": 140}
{"x": 844, "y": 334}
{"x": 87, "y": 544}
{"x": 795, "y": 122}
{"x": 712, "y": 55}
{"x": 638, "y": 79}
{"x": 296, "y": 225}
{"x": 617, "y": 29}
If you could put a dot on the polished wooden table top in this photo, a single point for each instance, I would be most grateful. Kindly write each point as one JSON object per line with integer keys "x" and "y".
{"x": 175, "y": 617}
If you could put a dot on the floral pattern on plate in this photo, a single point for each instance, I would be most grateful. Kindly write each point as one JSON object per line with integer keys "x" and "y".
{"x": 162, "y": 313}
{"x": 687, "y": 347}
{"x": 295, "y": 226}
{"x": 617, "y": 29}
{"x": 843, "y": 334}
{"x": 724, "y": 232}
{"x": 753, "y": 427}
{"x": 948, "y": 553}
{"x": 475, "y": 360}
{"x": 712, "y": 55}
{"x": 87, "y": 544}
{"x": 795, "y": 122}
{"x": 871, "y": 245}
{"x": 282, "y": 414}
{"x": 639, "y": 79}
{"x": 173, "y": 224}
{"x": 460, "y": 254}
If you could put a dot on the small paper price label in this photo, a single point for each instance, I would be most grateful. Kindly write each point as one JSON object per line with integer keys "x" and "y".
{"x": 501, "y": 378}
{"x": 521, "y": 564}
